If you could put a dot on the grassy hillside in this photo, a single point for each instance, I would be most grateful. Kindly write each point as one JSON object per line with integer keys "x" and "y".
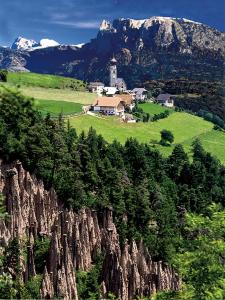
{"x": 49, "y": 88}
{"x": 53, "y": 94}
{"x": 185, "y": 127}
{"x": 58, "y": 95}
{"x": 153, "y": 109}
{"x": 213, "y": 141}
{"x": 46, "y": 81}
{"x": 57, "y": 107}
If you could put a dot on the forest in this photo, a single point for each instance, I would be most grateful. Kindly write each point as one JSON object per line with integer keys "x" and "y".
{"x": 175, "y": 205}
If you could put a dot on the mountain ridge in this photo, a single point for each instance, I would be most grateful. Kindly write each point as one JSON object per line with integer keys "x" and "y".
{"x": 154, "y": 48}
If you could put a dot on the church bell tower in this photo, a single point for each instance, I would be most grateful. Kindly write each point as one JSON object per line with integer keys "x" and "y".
{"x": 113, "y": 72}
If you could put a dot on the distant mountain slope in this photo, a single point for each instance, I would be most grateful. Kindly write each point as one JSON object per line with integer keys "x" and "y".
{"x": 13, "y": 60}
{"x": 155, "y": 48}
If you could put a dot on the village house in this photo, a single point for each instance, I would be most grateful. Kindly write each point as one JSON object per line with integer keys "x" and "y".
{"x": 96, "y": 87}
{"x": 110, "y": 91}
{"x": 165, "y": 100}
{"x": 121, "y": 85}
{"x": 109, "y": 106}
{"x": 140, "y": 94}
{"x": 127, "y": 100}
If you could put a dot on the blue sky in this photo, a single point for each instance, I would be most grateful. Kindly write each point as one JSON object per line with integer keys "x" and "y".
{"x": 77, "y": 21}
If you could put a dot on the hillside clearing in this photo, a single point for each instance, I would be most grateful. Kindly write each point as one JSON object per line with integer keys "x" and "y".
{"x": 57, "y": 107}
{"x": 46, "y": 81}
{"x": 39, "y": 93}
{"x": 184, "y": 126}
{"x": 213, "y": 142}
{"x": 153, "y": 108}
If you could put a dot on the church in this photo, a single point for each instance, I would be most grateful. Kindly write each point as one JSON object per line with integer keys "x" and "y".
{"x": 114, "y": 81}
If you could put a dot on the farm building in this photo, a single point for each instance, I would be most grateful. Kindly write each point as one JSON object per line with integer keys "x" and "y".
{"x": 140, "y": 94}
{"x": 109, "y": 106}
{"x": 96, "y": 87}
{"x": 165, "y": 100}
{"x": 127, "y": 99}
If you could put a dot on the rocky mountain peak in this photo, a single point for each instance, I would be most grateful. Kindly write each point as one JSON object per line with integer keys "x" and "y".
{"x": 105, "y": 25}
{"x": 24, "y": 44}
{"x": 152, "y": 48}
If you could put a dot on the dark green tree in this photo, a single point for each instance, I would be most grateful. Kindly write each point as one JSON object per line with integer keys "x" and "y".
{"x": 166, "y": 137}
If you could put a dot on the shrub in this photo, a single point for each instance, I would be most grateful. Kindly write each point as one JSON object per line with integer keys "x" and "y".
{"x": 3, "y": 75}
{"x": 88, "y": 283}
{"x": 41, "y": 248}
{"x": 31, "y": 289}
{"x": 166, "y": 137}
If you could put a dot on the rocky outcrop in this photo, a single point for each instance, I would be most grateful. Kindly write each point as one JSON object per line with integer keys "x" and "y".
{"x": 76, "y": 239}
{"x": 12, "y": 60}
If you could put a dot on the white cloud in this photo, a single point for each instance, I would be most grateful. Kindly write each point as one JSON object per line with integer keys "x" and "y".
{"x": 80, "y": 24}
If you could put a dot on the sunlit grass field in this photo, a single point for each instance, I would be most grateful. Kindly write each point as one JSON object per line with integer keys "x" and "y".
{"x": 50, "y": 87}
{"x": 185, "y": 127}
{"x": 153, "y": 108}
{"x": 46, "y": 81}
{"x": 57, "y": 107}
{"x": 84, "y": 98}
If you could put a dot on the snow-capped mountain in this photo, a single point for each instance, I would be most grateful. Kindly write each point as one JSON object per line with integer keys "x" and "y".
{"x": 24, "y": 44}
{"x": 45, "y": 43}
{"x": 79, "y": 45}
{"x": 21, "y": 43}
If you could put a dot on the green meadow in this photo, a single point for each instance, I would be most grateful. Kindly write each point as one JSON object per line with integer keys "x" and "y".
{"x": 45, "y": 81}
{"x": 153, "y": 108}
{"x": 39, "y": 93}
{"x": 185, "y": 127}
{"x": 50, "y": 87}
{"x": 57, "y": 107}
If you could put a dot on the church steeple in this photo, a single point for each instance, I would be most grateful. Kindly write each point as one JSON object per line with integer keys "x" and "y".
{"x": 113, "y": 72}
{"x": 113, "y": 60}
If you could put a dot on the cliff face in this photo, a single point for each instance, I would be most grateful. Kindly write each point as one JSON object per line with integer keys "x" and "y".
{"x": 76, "y": 238}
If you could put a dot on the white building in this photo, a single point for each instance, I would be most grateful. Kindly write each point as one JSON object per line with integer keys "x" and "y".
{"x": 165, "y": 100}
{"x": 96, "y": 87}
{"x": 141, "y": 94}
{"x": 110, "y": 91}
